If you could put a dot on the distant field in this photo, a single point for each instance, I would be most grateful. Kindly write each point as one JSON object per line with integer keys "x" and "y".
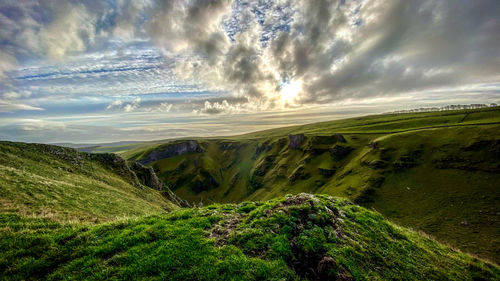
{"x": 381, "y": 123}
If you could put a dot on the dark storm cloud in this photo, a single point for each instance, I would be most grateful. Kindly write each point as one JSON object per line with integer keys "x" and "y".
{"x": 415, "y": 45}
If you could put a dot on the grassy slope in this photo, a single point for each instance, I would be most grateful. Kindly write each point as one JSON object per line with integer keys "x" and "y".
{"x": 291, "y": 238}
{"x": 63, "y": 185}
{"x": 457, "y": 193}
{"x": 451, "y": 192}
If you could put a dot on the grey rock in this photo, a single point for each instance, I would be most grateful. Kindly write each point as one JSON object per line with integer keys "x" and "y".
{"x": 171, "y": 150}
{"x": 295, "y": 141}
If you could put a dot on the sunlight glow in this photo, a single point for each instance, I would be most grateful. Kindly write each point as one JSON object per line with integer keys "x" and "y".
{"x": 290, "y": 90}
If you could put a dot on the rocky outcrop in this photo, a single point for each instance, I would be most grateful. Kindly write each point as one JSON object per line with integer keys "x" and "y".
{"x": 146, "y": 176}
{"x": 174, "y": 198}
{"x": 492, "y": 146}
{"x": 263, "y": 147}
{"x": 339, "y": 152}
{"x": 118, "y": 165}
{"x": 171, "y": 150}
{"x": 467, "y": 164}
{"x": 295, "y": 141}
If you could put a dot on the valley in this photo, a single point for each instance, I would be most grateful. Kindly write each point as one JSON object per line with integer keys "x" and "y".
{"x": 275, "y": 205}
{"x": 437, "y": 172}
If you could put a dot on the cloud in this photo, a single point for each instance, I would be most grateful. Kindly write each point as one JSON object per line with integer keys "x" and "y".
{"x": 71, "y": 31}
{"x": 7, "y": 63}
{"x": 128, "y": 107}
{"x": 114, "y": 104}
{"x": 132, "y": 106}
{"x": 184, "y": 25}
{"x": 337, "y": 49}
{"x": 11, "y": 95}
{"x": 165, "y": 107}
{"x": 230, "y": 106}
{"x": 9, "y": 101}
{"x": 128, "y": 15}
{"x": 34, "y": 29}
{"x": 216, "y": 108}
{"x": 9, "y": 106}
{"x": 41, "y": 125}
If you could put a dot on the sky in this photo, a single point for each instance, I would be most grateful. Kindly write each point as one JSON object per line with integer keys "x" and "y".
{"x": 116, "y": 70}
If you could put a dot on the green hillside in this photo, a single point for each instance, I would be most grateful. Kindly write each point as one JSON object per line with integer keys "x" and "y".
{"x": 437, "y": 172}
{"x": 61, "y": 184}
{"x": 302, "y": 237}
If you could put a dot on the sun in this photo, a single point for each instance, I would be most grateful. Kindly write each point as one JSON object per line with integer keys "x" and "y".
{"x": 290, "y": 90}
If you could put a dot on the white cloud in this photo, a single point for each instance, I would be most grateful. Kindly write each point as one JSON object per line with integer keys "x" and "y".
{"x": 129, "y": 13}
{"x": 114, "y": 104}
{"x": 9, "y": 106}
{"x": 223, "y": 107}
{"x": 72, "y": 29}
{"x": 41, "y": 125}
{"x": 165, "y": 107}
{"x": 11, "y": 96}
{"x": 132, "y": 106}
{"x": 127, "y": 107}
{"x": 9, "y": 102}
{"x": 7, "y": 63}
{"x": 185, "y": 25}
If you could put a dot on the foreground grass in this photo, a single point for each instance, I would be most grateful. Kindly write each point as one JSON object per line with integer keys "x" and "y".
{"x": 300, "y": 237}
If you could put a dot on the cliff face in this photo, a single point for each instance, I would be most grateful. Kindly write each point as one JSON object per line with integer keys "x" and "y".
{"x": 118, "y": 165}
{"x": 171, "y": 150}
{"x": 147, "y": 176}
{"x": 295, "y": 141}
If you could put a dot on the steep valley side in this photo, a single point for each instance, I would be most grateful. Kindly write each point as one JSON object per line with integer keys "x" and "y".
{"x": 443, "y": 181}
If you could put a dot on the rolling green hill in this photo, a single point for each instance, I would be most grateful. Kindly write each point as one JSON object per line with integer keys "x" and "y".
{"x": 438, "y": 172}
{"x": 63, "y": 185}
{"x": 75, "y": 215}
{"x": 302, "y": 237}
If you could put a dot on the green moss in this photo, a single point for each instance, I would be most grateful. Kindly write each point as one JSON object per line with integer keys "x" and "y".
{"x": 292, "y": 238}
